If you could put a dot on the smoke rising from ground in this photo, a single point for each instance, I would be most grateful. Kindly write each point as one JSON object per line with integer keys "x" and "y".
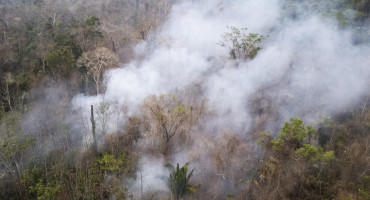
{"x": 308, "y": 66}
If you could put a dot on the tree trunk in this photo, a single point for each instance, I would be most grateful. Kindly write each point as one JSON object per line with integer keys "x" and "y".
{"x": 93, "y": 129}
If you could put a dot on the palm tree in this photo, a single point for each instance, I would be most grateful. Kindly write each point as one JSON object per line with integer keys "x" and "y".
{"x": 178, "y": 181}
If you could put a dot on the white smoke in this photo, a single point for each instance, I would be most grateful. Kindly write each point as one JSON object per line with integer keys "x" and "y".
{"x": 151, "y": 177}
{"x": 323, "y": 71}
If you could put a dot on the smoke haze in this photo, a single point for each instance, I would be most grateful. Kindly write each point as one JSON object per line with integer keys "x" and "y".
{"x": 308, "y": 66}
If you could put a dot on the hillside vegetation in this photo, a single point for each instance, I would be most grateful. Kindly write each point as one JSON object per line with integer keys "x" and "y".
{"x": 169, "y": 144}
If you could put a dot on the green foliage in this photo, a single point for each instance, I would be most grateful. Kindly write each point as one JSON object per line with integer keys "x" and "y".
{"x": 178, "y": 182}
{"x": 92, "y": 21}
{"x": 61, "y": 57}
{"x": 180, "y": 109}
{"x": 263, "y": 136}
{"x": 295, "y": 138}
{"x": 60, "y": 62}
{"x": 310, "y": 152}
{"x": 277, "y": 144}
{"x": 58, "y": 179}
{"x": 46, "y": 191}
{"x": 89, "y": 184}
{"x": 114, "y": 164}
{"x": 294, "y": 154}
{"x": 364, "y": 189}
{"x": 292, "y": 136}
{"x": 92, "y": 24}
{"x": 366, "y": 124}
{"x": 13, "y": 143}
{"x": 171, "y": 105}
{"x": 31, "y": 176}
{"x": 61, "y": 38}
{"x": 364, "y": 194}
{"x": 58, "y": 23}
{"x": 242, "y": 45}
{"x": 348, "y": 14}
{"x": 296, "y": 130}
{"x": 230, "y": 195}
{"x": 328, "y": 156}
{"x": 362, "y": 6}
{"x": 22, "y": 81}
{"x": 41, "y": 40}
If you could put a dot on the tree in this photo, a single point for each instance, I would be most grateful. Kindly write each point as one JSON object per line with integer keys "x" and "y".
{"x": 60, "y": 62}
{"x": 13, "y": 144}
{"x": 91, "y": 31}
{"x": 178, "y": 182}
{"x": 293, "y": 156}
{"x": 293, "y": 135}
{"x": 361, "y": 6}
{"x": 166, "y": 117}
{"x": 242, "y": 45}
{"x": 6, "y": 93}
{"x": 96, "y": 62}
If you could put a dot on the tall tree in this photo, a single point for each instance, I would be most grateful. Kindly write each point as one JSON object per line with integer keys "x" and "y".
{"x": 96, "y": 62}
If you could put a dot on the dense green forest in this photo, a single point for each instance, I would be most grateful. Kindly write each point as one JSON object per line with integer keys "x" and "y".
{"x": 75, "y": 125}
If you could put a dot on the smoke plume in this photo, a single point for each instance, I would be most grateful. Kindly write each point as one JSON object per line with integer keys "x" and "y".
{"x": 308, "y": 67}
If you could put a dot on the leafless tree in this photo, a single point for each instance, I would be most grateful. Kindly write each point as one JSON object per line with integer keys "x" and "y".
{"x": 5, "y": 92}
{"x": 97, "y": 62}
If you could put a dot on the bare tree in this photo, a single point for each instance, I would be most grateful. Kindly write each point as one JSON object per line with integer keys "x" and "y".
{"x": 5, "y": 92}
{"x": 96, "y": 62}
